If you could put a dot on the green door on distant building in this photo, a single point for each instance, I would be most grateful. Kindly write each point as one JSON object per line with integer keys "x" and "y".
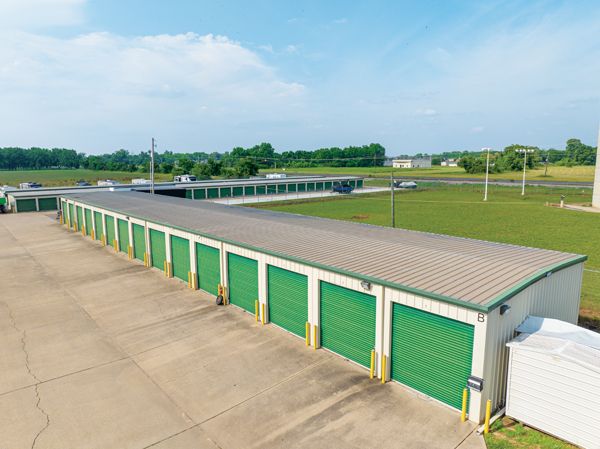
{"x": 180, "y": 255}
{"x": 48, "y": 203}
{"x": 79, "y": 218}
{"x": 139, "y": 241}
{"x": 243, "y": 281}
{"x": 110, "y": 230}
{"x": 288, "y": 299}
{"x": 99, "y": 227}
{"x": 208, "y": 268}
{"x": 89, "y": 226}
{"x": 123, "y": 235}
{"x": 158, "y": 249}
{"x": 26, "y": 205}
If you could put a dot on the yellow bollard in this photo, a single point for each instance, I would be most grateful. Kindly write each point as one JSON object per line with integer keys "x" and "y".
{"x": 190, "y": 279}
{"x": 61, "y": 219}
{"x": 488, "y": 411}
{"x": 372, "y": 363}
{"x": 315, "y": 337}
{"x": 166, "y": 269}
{"x": 224, "y": 295}
{"x": 383, "y": 370}
{"x": 195, "y": 281}
{"x": 463, "y": 416}
{"x": 83, "y": 230}
{"x": 93, "y": 235}
{"x": 256, "y": 310}
{"x": 68, "y": 223}
{"x": 307, "y": 333}
{"x": 115, "y": 246}
{"x": 263, "y": 314}
{"x": 103, "y": 240}
{"x": 75, "y": 226}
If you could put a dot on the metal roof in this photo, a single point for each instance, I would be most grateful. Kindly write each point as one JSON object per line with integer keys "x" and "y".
{"x": 452, "y": 269}
{"x": 54, "y": 191}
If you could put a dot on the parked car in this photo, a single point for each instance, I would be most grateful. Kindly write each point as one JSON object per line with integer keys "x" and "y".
{"x": 342, "y": 188}
{"x": 83, "y": 184}
{"x": 185, "y": 178}
{"x": 30, "y": 185}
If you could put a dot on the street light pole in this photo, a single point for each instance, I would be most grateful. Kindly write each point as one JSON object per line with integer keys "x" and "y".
{"x": 524, "y": 167}
{"x": 486, "y": 171}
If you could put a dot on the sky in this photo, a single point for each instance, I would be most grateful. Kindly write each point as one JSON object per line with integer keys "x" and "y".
{"x": 416, "y": 77}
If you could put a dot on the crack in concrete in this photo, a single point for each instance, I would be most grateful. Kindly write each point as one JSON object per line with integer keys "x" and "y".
{"x": 44, "y": 413}
{"x": 37, "y": 394}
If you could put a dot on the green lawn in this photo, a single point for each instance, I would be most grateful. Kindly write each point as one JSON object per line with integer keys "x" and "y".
{"x": 505, "y": 218}
{"x": 507, "y": 434}
{"x": 62, "y": 178}
{"x": 566, "y": 174}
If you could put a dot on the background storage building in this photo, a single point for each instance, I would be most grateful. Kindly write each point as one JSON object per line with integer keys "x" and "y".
{"x": 446, "y": 316}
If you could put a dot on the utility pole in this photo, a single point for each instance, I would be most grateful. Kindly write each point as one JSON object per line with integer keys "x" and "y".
{"x": 152, "y": 167}
{"x": 547, "y": 159}
{"x": 374, "y": 159}
{"x": 393, "y": 205}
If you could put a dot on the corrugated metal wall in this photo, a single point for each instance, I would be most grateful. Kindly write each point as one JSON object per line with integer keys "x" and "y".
{"x": 556, "y": 296}
{"x": 541, "y": 397}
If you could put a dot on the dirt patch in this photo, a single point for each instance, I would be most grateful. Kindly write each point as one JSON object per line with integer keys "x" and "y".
{"x": 360, "y": 217}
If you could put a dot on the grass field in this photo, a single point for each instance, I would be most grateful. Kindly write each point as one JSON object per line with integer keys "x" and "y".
{"x": 507, "y": 434}
{"x": 563, "y": 174}
{"x": 505, "y": 218}
{"x": 62, "y": 178}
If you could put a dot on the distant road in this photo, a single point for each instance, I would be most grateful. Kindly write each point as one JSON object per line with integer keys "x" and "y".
{"x": 397, "y": 176}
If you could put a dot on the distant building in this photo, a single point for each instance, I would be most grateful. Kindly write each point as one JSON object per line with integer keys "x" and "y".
{"x": 412, "y": 163}
{"x": 388, "y": 162}
{"x": 449, "y": 163}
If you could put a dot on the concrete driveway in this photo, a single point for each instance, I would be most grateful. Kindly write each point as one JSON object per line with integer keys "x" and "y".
{"x": 98, "y": 351}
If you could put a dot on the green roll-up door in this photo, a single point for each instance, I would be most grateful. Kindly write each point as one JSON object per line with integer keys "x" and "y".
{"x": 2, "y": 200}
{"x": 243, "y": 281}
{"x": 88, "y": 222}
{"x": 26, "y": 205}
{"x": 139, "y": 241}
{"x": 352, "y": 183}
{"x": 327, "y": 185}
{"x": 281, "y": 188}
{"x": 288, "y": 300}
{"x": 431, "y": 353}
{"x": 348, "y": 322}
{"x": 188, "y": 194}
{"x": 359, "y": 183}
{"x": 249, "y": 190}
{"x": 110, "y": 230}
{"x": 272, "y": 188}
{"x": 301, "y": 187}
{"x": 47, "y": 203}
{"x": 310, "y": 186}
{"x": 319, "y": 186}
{"x": 291, "y": 187}
{"x": 158, "y": 250}
{"x": 99, "y": 226}
{"x": 260, "y": 190}
{"x": 180, "y": 253}
{"x": 209, "y": 268}
{"x": 79, "y": 218}
{"x": 71, "y": 215}
{"x": 225, "y": 192}
{"x": 199, "y": 194}
{"x": 238, "y": 191}
{"x": 65, "y": 211}
{"x": 123, "y": 235}
{"x": 212, "y": 193}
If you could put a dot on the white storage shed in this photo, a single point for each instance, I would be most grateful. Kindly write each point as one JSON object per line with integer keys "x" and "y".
{"x": 554, "y": 380}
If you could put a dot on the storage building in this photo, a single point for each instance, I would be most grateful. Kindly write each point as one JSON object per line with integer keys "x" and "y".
{"x": 442, "y": 318}
{"x": 554, "y": 380}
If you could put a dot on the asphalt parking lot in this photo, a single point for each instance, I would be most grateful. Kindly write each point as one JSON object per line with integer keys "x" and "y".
{"x": 100, "y": 352}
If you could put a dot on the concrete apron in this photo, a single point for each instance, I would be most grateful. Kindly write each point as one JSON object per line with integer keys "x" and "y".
{"x": 98, "y": 351}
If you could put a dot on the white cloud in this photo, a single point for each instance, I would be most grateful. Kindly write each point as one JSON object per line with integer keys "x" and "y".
{"x": 425, "y": 112}
{"x": 101, "y": 80}
{"x": 291, "y": 49}
{"x": 344, "y": 20}
{"x": 477, "y": 129}
{"x": 26, "y": 14}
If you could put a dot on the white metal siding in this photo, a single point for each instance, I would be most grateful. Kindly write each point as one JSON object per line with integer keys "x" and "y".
{"x": 556, "y": 296}
{"x": 556, "y": 396}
